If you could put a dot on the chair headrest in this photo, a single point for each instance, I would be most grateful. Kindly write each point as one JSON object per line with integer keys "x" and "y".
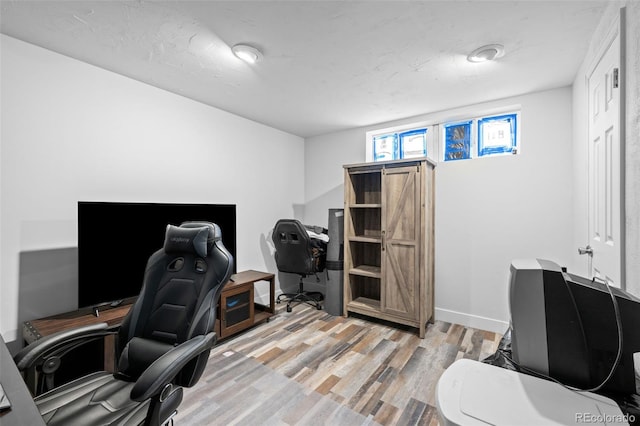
{"x": 180, "y": 239}
{"x": 284, "y": 227}
{"x": 215, "y": 233}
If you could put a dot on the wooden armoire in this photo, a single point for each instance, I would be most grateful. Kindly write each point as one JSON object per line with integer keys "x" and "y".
{"x": 388, "y": 241}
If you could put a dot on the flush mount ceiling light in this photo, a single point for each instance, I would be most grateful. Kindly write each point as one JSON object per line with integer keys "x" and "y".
{"x": 486, "y": 53}
{"x": 247, "y": 53}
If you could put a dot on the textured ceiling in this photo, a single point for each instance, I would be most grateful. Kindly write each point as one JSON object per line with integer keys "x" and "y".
{"x": 328, "y": 65}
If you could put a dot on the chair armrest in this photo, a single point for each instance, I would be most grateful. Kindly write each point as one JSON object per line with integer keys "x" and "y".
{"x": 163, "y": 370}
{"x": 30, "y": 354}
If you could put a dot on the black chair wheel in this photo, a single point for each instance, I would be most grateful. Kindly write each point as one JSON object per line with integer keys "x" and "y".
{"x": 319, "y": 307}
{"x": 289, "y": 308}
{"x": 277, "y": 301}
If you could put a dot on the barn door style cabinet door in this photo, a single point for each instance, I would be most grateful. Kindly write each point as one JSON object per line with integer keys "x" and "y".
{"x": 389, "y": 241}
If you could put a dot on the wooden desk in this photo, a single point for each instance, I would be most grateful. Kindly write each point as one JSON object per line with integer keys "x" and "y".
{"x": 23, "y": 410}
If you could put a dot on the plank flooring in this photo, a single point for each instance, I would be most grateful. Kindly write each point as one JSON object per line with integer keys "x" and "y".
{"x": 311, "y": 368}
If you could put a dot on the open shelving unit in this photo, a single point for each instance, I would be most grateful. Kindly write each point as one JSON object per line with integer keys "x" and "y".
{"x": 389, "y": 241}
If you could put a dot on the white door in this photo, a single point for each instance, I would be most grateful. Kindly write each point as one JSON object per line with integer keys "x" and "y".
{"x": 605, "y": 184}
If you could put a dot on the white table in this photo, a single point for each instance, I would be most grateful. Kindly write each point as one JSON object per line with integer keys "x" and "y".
{"x": 472, "y": 393}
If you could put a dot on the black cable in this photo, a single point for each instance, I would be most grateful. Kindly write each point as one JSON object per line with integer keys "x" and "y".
{"x": 616, "y": 363}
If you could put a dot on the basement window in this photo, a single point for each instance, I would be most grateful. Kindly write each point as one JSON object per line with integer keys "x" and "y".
{"x": 385, "y": 147}
{"x": 413, "y": 143}
{"x": 480, "y": 137}
{"x": 457, "y": 141}
{"x": 497, "y": 135}
{"x": 399, "y": 143}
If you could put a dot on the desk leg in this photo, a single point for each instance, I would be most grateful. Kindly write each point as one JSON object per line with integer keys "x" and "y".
{"x": 272, "y": 295}
{"x": 110, "y": 353}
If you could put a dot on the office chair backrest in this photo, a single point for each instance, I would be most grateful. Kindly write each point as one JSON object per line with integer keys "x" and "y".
{"x": 296, "y": 251}
{"x": 182, "y": 285}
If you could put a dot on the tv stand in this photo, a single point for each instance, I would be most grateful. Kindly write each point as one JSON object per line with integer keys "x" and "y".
{"x": 236, "y": 312}
{"x": 114, "y": 304}
{"x": 36, "y": 329}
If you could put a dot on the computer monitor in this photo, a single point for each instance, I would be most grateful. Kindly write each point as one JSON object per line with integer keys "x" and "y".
{"x": 564, "y": 326}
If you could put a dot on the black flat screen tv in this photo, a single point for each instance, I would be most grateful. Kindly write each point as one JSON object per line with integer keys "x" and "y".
{"x": 115, "y": 240}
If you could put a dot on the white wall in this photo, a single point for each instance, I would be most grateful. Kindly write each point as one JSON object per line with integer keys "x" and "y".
{"x": 632, "y": 144}
{"x": 71, "y": 131}
{"x": 488, "y": 211}
{"x": 632, "y": 156}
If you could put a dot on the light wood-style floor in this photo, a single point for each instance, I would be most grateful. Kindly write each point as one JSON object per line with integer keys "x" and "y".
{"x": 311, "y": 368}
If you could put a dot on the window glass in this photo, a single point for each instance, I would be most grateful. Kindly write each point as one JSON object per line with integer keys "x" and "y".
{"x": 413, "y": 143}
{"x": 497, "y": 134}
{"x": 402, "y": 144}
{"x": 457, "y": 141}
{"x": 385, "y": 147}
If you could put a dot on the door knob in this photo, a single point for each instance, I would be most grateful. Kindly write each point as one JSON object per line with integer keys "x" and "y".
{"x": 585, "y": 250}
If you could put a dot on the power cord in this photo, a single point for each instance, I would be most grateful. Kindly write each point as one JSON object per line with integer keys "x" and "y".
{"x": 616, "y": 311}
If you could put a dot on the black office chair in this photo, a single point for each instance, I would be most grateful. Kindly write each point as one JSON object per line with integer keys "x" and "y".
{"x": 162, "y": 344}
{"x": 298, "y": 253}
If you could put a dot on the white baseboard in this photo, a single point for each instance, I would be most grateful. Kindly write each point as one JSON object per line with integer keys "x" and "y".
{"x": 473, "y": 321}
{"x": 261, "y": 296}
{"x": 10, "y": 336}
{"x": 446, "y": 315}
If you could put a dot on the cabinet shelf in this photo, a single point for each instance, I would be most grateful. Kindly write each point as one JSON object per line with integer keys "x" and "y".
{"x": 363, "y": 239}
{"x": 365, "y": 222}
{"x": 366, "y": 271}
{"x": 364, "y": 305}
{"x": 366, "y": 206}
{"x": 364, "y": 187}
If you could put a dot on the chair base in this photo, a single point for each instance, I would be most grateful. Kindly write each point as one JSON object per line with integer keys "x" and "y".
{"x": 311, "y": 298}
